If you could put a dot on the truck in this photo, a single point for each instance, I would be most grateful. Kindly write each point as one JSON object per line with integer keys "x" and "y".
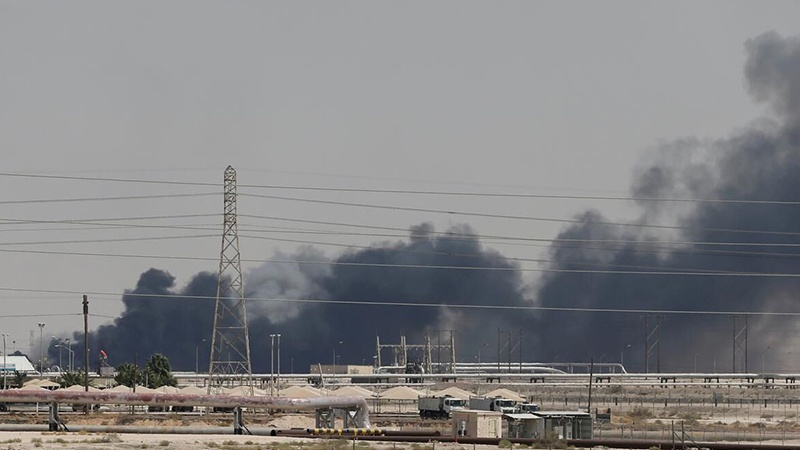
{"x": 499, "y": 404}
{"x": 527, "y": 407}
{"x": 439, "y": 407}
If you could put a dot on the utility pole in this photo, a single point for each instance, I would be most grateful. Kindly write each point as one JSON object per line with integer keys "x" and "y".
{"x": 41, "y": 348}
{"x": 86, "y": 345}
{"x": 230, "y": 340}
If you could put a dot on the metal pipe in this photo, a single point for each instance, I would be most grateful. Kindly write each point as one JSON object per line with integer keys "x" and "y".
{"x": 580, "y": 443}
{"x": 219, "y": 401}
{"x": 122, "y": 429}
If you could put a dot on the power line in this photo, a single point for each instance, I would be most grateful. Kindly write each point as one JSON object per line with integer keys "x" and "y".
{"x": 640, "y": 246}
{"x": 514, "y": 217}
{"x": 101, "y": 227}
{"x": 336, "y": 263}
{"x": 560, "y": 245}
{"x": 659, "y": 247}
{"x": 113, "y": 255}
{"x": 428, "y": 210}
{"x": 635, "y": 246}
{"x": 436, "y": 304}
{"x": 105, "y": 179}
{"x": 101, "y": 315}
{"x": 96, "y": 199}
{"x": 408, "y": 191}
{"x": 91, "y": 241}
{"x": 517, "y": 195}
{"x": 663, "y": 272}
{"x": 101, "y": 220}
{"x": 12, "y": 316}
{"x": 510, "y": 240}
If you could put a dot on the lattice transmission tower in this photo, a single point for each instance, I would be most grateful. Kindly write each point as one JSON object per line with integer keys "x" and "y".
{"x": 230, "y": 341}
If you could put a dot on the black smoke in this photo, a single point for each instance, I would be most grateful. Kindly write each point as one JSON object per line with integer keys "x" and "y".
{"x": 158, "y": 318}
{"x": 355, "y": 287}
{"x": 760, "y": 162}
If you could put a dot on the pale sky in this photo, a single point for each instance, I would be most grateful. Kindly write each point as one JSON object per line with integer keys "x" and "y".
{"x": 517, "y": 96}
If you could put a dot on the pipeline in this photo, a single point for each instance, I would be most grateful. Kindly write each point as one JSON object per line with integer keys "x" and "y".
{"x": 356, "y": 432}
{"x": 346, "y": 431}
{"x": 128, "y": 429}
{"x": 644, "y": 444}
{"x": 218, "y": 401}
{"x": 579, "y": 443}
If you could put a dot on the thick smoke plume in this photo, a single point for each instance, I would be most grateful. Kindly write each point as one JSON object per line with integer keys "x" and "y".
{"x": 354, "y": 285}
{"x": 759, "y": 162}
{"x": 762, "y": 162}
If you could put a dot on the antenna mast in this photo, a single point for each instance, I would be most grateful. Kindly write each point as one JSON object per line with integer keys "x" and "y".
{"x": 230, "y": 341}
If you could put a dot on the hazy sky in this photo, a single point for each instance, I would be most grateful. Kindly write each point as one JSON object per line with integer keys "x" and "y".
{"x": 526, "y": 97}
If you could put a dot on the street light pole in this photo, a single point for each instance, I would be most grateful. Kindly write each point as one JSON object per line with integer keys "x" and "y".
{"x": 60, "y": 367}
{"x": 70, "y": 357}
{"x": 271, "y": 365}
{"x": 622, "y": 355}
{"x": 279, "y": 363}
{"x": 41, "y": 348}
{"x": 70, "y": 354}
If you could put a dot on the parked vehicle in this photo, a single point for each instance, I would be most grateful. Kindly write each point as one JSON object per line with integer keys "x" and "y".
{"x": 528, "y": 407}
{"x": 439, "y": 407}
{"x": 499, "y": 404}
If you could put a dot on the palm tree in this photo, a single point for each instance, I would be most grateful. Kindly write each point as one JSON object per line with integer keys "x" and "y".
{"x": 128, "y": 374}
{"x": 20, "y": 378}
{"x": 72, "y": 378}
{"x": 159, "y": 372}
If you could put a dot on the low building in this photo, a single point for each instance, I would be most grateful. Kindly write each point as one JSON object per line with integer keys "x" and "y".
{"x": 524, "y": 425}
{"x": 567, "y": 424}
{"x": 481, "y": 424}
{"x": 17, "y": 363}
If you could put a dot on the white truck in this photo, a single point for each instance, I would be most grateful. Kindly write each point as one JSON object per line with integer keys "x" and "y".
{"x": 439, "y": 407}
{"x": 499, "y": 404}
{"x": 528, "y": 407}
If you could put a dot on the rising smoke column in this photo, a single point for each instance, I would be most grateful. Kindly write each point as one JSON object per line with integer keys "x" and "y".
{"x": 355, "y": 283}
{"x": 762, "y": 162}
{"x": 158, "y": 318}
{"x": 416, "y": 285}
{"x": 362, "y": 280}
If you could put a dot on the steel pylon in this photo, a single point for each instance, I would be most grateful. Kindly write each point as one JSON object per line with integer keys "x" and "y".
{"x": 230, "y": 341}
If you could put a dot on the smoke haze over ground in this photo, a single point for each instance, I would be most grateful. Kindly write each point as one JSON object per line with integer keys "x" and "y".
{"x": 758, "y": 162}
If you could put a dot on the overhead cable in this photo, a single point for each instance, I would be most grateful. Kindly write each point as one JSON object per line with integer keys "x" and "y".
{"x": 578, "y": 309}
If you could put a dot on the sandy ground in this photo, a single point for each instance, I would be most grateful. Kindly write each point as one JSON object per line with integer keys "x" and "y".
{"x": 754, "y": 414}
{"x": 34, "y": 440}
